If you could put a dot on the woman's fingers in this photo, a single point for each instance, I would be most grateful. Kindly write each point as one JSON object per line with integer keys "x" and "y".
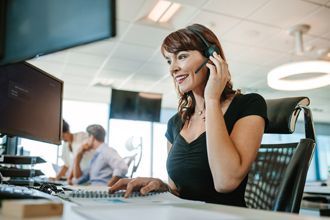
{"x": 135, "y": 184}
{"x": 151, "y": 186}
{"x": 130, "y": 187}
{"x": 221, "y": 66}
{"x": 211, "y": 67}
{"x": 144, "y": 185}
{"x": 120, "y": 184}
{"x": 218, "y": 62}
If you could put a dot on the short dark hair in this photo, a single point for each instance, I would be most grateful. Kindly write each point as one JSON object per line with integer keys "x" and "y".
{"x": 65, "y": 127}
{"x": 97, "y": 131}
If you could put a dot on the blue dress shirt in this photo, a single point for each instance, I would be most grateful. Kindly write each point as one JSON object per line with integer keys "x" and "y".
{"x": 105, "y": 163}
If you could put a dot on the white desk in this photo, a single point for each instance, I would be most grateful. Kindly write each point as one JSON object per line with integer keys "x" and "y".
{"x": 177, "y": 211}
{"x": 325, "y": 190}
{"x": 313, "y": 208}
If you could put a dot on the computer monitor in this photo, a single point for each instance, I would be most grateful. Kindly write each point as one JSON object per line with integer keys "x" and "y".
{"x": 131, "y": 105}
{"x": 36, "y": 27}
{"x": 30, "y": 103}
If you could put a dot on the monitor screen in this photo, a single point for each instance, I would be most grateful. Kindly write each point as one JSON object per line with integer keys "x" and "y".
{"x": 30, "y": 103}
{"x": 36, "y": 27}
{"x": 135, "y": 105}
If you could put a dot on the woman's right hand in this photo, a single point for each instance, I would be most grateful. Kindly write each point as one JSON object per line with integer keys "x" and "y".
{"x": 142, "y": 184}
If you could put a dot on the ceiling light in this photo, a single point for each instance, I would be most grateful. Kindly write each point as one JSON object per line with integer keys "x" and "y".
{"x": 163, "y": 11}
{"x": 297, "y": 31}
{"x": 278, "y": 78}
{"x": 170, "y": 12}
{"x": 293, "y": 76}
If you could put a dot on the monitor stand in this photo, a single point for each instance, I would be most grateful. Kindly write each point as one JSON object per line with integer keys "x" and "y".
{"x": 10, "y": 145}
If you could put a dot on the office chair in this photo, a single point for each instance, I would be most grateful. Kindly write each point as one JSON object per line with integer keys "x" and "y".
{"x": 277, "y": 177}
{"x": 131, "y": 161}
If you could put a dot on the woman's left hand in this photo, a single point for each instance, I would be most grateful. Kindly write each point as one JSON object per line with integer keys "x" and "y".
{"x": 219, "y": 76}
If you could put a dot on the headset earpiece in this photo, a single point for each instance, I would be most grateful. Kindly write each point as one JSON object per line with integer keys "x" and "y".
{"x": 210, "y": 49}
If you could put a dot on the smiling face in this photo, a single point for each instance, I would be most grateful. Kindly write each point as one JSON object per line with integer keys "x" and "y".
{"x": 182, "y": 67}
{"x": 183, "y": 50}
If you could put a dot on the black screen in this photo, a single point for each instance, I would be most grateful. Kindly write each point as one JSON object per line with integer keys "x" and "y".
{"x": 135, "y": 105}
{"x": 30, "y": 103}
{"x": 35, "y": 27}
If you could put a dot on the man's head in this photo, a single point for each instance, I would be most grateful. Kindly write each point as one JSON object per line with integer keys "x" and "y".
{"x": 97, "y": 132}
{"x": 66, "y": 134}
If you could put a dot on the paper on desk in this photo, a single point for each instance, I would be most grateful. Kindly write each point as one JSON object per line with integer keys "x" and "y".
{"x": 159, "y": 212}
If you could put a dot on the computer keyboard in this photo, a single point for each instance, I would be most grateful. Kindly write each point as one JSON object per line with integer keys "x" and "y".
{"x": 21, "y": 192}
{"x": 32, "y": 182}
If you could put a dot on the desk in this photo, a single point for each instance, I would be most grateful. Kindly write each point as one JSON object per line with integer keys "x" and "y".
{"x": 325, "y": 190}
{"x": 313, "y": 207}
{"x": 169, "y": 212}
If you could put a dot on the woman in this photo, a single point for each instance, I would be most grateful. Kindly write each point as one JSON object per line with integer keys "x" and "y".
{"x": 215, "y": 136}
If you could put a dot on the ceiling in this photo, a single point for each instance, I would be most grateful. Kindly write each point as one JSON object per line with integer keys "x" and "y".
{"x": 254, "y": 36}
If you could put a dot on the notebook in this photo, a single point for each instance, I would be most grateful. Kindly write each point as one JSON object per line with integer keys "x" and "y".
{"x": 100, "y": 195}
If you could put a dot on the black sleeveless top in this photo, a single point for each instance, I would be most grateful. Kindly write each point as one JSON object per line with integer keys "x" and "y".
{"x": 187, "y": 163}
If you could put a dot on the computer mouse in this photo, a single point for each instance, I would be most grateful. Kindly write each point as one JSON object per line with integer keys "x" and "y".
{"x": 324, "y": 184}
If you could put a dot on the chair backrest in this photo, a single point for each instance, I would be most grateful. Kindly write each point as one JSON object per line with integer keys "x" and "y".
{"x": 130, "y": 161}
{"x": 277, "y": 177}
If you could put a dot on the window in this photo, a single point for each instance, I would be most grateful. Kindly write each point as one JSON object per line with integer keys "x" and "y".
{"x": 121, "y": 130}
{"x": 79, "y": 115}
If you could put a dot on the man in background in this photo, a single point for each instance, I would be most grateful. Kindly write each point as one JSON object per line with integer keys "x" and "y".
{"x": 106, "y": 166}
{"x": 71, "y": 146}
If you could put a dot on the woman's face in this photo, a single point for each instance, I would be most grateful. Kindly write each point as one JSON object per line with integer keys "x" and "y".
{"x": 183, "y": 65}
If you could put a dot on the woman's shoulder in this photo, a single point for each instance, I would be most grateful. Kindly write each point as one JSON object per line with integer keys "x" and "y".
{"x": 251, "y": 103}
{"x": 175, "y": 119}
{"x": 250, "y": 98}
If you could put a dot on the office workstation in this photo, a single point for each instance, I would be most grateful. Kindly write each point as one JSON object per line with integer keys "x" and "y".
{"x": 109, "y": 93}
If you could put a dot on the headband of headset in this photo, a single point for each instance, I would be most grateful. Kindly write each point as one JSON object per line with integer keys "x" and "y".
{"x": 210, "y": 48}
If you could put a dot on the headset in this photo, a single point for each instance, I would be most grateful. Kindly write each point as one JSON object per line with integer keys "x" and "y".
{"x": 210, "y": 48}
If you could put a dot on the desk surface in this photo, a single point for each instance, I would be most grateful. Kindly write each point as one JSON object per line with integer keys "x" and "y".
{"x": 168, "y": 211}
{"x": 160, "y": 210}
{"x": 325, "y": 190}
{"x": 318, "y": 192}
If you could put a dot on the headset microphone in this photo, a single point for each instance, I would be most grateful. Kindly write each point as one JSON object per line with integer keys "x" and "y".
{"x": 201, "y": 66}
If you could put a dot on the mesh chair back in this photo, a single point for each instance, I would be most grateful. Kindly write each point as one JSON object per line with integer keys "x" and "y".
{"x": 277, "y": 177}
{"x": 266, "y": 175}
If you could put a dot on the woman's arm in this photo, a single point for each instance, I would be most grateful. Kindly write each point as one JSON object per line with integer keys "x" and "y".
{"x": 77, "y": 172}
{"x": 144, "y": 184}
{"x": 230, "y": 157}
{"x": 171, "y": 185}
{"x": 62, "y": 172}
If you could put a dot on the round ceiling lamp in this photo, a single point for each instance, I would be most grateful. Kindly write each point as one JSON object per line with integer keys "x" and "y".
{"x": 285, "y": 77}
{"x": 302, "y": 75}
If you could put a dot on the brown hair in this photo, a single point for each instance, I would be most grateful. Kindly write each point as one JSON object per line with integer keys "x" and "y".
{"x": 186, "y": 39}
